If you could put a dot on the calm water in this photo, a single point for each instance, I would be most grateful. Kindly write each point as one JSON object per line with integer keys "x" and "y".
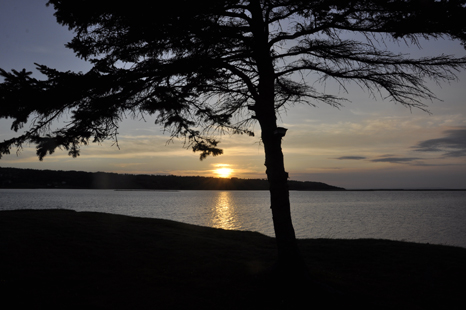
{"x": 428, "y": 217}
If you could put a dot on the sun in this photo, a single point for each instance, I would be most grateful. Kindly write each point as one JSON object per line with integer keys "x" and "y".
{"x": 223, "y": 172}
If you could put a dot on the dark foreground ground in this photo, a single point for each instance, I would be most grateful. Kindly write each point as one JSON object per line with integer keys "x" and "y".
{"x": 69, "y": 260}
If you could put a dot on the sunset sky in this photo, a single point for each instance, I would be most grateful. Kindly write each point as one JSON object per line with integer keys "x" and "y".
{"x": 367, "y": 143}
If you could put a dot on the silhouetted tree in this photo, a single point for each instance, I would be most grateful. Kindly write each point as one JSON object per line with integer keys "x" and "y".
{"x": 201, "y": 66}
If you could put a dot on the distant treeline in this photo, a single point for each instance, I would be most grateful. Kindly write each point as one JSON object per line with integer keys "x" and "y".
{"x": 30, "y": 178}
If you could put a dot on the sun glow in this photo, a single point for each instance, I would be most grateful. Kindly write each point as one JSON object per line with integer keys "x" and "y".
{"x": 223, "y": 172}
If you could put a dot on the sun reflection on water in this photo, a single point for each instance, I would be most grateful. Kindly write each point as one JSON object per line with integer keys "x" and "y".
{"x": 224, "y": 214}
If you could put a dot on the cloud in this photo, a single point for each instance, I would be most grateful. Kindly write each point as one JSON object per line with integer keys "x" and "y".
{"x": 351, "y": 157}
{"x": 395, "y": 160}
{"x": 452, "y": 145}
{"x": 420, "y": 164}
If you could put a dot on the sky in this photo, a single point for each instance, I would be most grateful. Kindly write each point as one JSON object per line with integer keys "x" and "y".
{"x": 367, "y": 143}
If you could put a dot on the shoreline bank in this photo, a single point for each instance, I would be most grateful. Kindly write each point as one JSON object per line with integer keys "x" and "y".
{"x": 83, "y": 259}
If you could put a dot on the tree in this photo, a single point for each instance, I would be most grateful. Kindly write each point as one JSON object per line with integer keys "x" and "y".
{"x": 206, "y": 66}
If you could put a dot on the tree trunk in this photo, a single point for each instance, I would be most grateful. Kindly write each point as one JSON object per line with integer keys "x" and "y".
{"x": 289, "y": 258}
{"x": 288, "y": 254}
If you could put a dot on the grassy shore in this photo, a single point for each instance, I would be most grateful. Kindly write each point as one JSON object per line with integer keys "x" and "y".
{"x": 82, "y": 260}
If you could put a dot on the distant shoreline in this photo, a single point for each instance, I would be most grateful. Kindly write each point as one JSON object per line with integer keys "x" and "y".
{"x": 16, "y": 178}
{"x": 33, "y": 178}
{"x": 291, "y": 190}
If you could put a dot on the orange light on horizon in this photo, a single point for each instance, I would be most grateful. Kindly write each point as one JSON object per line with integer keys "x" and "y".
{"x": 223, "y": 172}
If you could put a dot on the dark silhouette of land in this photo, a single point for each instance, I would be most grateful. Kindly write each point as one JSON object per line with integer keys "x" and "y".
{"x": 31, "y": 178}
{"x": 60, "y": 259}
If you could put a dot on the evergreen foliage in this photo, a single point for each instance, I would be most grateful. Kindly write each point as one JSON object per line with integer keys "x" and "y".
{"x": 196, "y": 64}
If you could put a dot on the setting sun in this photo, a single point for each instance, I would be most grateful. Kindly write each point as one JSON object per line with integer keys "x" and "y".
{"x": 223, "y": 172}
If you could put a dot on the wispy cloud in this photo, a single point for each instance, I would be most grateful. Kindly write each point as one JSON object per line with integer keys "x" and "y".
{"x": 452, "y": 145}
{"x": 351, "y": 157}
{"x": 395, "y": 160}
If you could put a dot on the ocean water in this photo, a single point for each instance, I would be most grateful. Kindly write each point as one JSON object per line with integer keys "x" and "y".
{"x": 436, "y": 217}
